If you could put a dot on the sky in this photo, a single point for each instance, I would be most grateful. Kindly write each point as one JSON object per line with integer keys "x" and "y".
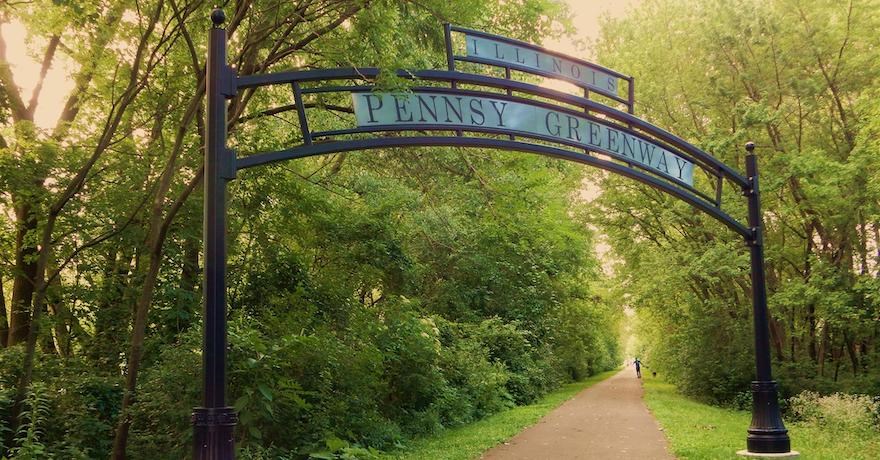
{"x": 586, "y": 19}
{"x": 26, "y": 71}
{"x": 586, "y": 15}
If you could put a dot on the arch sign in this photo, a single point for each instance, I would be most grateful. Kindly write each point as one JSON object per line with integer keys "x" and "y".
{"x": 475, "y": 102}
{"x": 465, "y": 111}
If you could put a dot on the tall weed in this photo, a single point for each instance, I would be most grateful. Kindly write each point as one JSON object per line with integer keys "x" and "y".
{"x": 838, "y": 411}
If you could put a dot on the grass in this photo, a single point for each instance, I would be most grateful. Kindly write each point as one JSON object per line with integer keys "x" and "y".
{"x": 469, "y": 441}
{"x": 700, "y": 431}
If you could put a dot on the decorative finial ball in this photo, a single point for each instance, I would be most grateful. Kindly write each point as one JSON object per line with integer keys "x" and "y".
{"x": 750, "y": 146}
{"x": 218, "y": 17}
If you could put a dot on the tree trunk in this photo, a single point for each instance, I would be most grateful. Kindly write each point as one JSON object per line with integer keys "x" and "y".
{"x": 120, "y": 440}
{"x": 851, "y": 351}
{"x": 39, "y": 288}
{"x": 189, "y": 282}
{"x": 837, "y": 355}
{"x": 776, "y": 336}
{"x": 815, "y": 354}
{"x": 876, "y": 226}
{"x": 25, "y": 275}
{"x": 811, "y": 307}
{"x": 792, "y": 338}
{"x": 863, "y": 244}
{"x": 62, "y": 318}
{"x": 4, "y": 325}
{"x": 114, "y": 311}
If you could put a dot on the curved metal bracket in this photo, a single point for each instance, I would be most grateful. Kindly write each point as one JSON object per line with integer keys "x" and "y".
{"x": 325, "y": 148}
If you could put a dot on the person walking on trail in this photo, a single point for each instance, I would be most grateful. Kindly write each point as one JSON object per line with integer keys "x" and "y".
{"x": 638, "y": 365}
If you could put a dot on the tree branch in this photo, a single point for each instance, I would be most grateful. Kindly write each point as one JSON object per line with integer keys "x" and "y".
{"x": 7, "y": 84}
{"x": 44, "y": 69}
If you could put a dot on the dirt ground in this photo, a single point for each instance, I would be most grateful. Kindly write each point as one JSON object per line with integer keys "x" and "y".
{"x": 606, "y": 421}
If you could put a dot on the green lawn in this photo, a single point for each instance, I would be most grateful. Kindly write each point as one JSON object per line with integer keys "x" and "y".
{"x": 699, "y": 431}
{"x": 469, "y": 441}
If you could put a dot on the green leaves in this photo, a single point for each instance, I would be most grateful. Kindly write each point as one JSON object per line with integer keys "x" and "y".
{"x": 791, "y": 77}
{"x": 373, "y": 296}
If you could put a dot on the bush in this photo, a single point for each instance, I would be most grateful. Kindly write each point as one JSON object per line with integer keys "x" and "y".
{"x": 742, "y": 400}
{"x": 530, "y": 375}
{"x": 69, "y": 411}
{"x": 584, "y": 341}
{"x": 476, "y": 386}
{"x": 95, "y": 400}
{"x": 167, "y": 392}
{"x": 838, "y": 411}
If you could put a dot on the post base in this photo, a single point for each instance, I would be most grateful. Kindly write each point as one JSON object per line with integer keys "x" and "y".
{"x": 213, "y": 429}
{"x": 789, "y": 454}
{"x": 768, "y": 443}
{"x": 767, "y": 433}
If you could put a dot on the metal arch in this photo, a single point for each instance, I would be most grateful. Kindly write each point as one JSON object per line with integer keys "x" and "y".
{"x": 513, "y": 133}
{"x": 503, "y": 144}
{"x": 214, "y": 423}
{"x": 706, "y": 161}
{"x": 692, "y": 196}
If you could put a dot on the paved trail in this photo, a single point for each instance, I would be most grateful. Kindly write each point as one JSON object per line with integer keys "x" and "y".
{"x": 606, "y": 421}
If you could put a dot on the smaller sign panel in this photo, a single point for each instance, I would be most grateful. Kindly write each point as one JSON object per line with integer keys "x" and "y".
{"x": 422, "y": 108}
{"x": 506, "y": 54}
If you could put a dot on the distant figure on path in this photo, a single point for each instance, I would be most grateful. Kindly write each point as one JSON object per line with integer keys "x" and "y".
{"x": 638, "y": 368}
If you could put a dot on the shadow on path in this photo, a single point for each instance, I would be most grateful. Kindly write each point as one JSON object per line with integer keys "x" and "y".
{"x": 606, "y": 421}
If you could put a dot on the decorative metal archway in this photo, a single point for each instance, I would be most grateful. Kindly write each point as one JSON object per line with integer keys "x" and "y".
{"x": 453, "y": 108}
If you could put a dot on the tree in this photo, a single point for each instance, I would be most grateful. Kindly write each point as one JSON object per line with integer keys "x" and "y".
{"x": 105, "y": 224}
{"x": 798, "y": 85}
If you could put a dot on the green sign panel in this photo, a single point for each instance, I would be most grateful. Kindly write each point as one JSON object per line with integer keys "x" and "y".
{"x": 423, "y": 108}
{"x": 510, "y": 54}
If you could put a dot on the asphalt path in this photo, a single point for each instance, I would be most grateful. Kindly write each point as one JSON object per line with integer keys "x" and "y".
{"x": 606, "y": 421}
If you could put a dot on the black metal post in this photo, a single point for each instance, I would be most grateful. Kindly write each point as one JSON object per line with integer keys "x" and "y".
{"x": 214, "y": 422}
{"x": 767, "y": 433}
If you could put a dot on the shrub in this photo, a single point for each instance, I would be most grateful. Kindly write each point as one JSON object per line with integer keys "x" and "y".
{"x": 476, "y": 386}
{"x": 31, "y": 434}
{"x": 167, "y": 392}
{"x": 838, "y": 411}
{"x": 530, "y": 375}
